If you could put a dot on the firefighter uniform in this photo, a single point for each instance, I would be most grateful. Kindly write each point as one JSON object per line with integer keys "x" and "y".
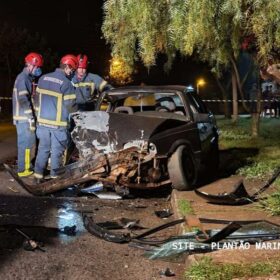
{"x": 56, "y": 99}
{"x": 23, "y": 118}
{"x": 90, "y": 86}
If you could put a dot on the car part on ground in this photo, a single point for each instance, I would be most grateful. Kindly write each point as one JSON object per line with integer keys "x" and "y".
{"x": 163, "y": 214}
{"x": 249, "y": 233}
{"x": 101, "y": 232}
{"x": 239, "y": 195}
{"x": 167, "y": 272}
{"x": 202, "y": 240}
{"x": 30, "y": 244}
{"x": 115, "y": 169}
{"x": 122, "y": 223}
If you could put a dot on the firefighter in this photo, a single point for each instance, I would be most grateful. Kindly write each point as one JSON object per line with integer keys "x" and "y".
{"x": 23, "y": 112}
{"x": 56, "y": 100}
{"x": 91, "y": 85}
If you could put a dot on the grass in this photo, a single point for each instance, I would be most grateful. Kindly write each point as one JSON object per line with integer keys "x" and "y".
{"x": 185, "y": 207}
{"x": 266, "y": 162}
{"x": 271, "y": 203}
{"x": 238, "y": 136}
{"x": 206, "y": 269}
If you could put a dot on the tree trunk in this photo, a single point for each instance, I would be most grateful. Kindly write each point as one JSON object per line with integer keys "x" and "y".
{"x": 238, "y": 82}
{"x": 255, "y": 126}
{"x": 234, "y": 98}
{"x": 225, "y": 97}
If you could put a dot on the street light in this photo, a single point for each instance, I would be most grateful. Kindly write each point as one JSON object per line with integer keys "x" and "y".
{"x": 200, "y": 82}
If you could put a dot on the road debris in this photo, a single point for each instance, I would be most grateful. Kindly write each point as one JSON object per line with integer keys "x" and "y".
{"x": 164, "y": 214}
{"x": 167, "y": 272}
{"x": 236, "y": 234}
{"x": 239, "y": 195}
{"x": 93, "y": 188}
{"x": 30, "y": 244}
{"x": 13, "y": 190}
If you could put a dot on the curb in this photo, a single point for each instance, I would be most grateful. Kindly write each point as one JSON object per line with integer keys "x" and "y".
{"x": 174, "y": 204}
{"x": 181, "y": 228}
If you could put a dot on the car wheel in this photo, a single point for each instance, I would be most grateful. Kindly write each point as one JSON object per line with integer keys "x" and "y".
{"x": 182, "y": 169}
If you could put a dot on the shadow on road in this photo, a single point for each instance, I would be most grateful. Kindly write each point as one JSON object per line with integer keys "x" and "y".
{"x": 233, "y": 159}
{"x": 230, "y": 161}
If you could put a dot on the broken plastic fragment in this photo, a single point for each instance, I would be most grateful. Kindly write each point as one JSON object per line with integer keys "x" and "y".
{"x": 167, "y": 272}
{"x": 165, "y": 213}
{"x": 93, "y": 188}
{"x": 107, "y": 195}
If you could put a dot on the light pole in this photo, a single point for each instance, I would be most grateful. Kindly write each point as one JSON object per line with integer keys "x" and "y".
{"x": 200, "y": 82}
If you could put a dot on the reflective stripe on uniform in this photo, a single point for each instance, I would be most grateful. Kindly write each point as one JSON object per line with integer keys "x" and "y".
{"x": 27, "y": 159}
{"x": 84, "y": 84}
{"x": 23, "y": 92}
{"x": 19, "y": 118}
{"x": 69, "y": 96}
{"x": 102, "y": 85}
{"x": 45, "y": 121}
{"x": 59, "y": 107}
{"x": 28, "y": 111}
{"x": 25, "y": 173}
{"x": 17, "y": 105}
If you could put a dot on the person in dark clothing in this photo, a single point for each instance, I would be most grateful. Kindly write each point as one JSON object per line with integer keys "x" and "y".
{"x": 23, "y": 112}
{"x": 56, "y": 99}
{"x": 91, "y": 85}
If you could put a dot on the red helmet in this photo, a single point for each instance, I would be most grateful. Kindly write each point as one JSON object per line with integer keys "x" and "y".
{"x": 83, "y": 61}
{"x": 34, "y": 59}
{"x": 71, "y": 60}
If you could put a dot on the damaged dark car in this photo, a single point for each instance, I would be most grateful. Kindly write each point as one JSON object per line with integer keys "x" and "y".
{"x": 142, "y": 138}
{"x": 169, "y": 135}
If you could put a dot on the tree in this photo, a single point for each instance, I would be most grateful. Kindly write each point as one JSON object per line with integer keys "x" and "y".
{"x": 214, "y": 30}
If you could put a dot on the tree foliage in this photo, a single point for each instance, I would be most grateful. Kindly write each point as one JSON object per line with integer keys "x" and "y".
{"x": 212, "y": 29}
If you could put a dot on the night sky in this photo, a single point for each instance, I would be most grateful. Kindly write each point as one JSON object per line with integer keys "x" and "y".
{"x": 75, "y": 27}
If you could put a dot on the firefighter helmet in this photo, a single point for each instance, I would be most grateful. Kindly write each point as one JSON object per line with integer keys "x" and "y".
{"x": 34, "y": 59}
{"x": 70, "y": 60}
{"x": 83, "y": 61}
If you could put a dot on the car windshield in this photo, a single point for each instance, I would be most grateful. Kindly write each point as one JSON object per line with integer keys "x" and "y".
{"x": 139, "y": 102}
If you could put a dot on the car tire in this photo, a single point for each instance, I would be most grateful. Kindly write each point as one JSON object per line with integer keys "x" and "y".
{"x": 182, "y": 169}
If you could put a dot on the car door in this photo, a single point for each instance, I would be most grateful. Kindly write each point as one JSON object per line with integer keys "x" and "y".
{"x": 204, "y": 120}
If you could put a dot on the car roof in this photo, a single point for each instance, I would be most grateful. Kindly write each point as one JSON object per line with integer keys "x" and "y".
{"x": 148, "y": 89}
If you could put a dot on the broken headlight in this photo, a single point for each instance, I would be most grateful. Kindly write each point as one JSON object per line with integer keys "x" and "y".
{"x": 152, "y": 148}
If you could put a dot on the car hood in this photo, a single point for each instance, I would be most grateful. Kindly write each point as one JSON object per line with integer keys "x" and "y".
{"x": 111, "y": 132}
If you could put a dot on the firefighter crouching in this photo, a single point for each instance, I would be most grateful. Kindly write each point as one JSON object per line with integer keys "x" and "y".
{"x": 56, "y": 99}
{"x": 90, "y": 85}
{"x": 23, "y": 112}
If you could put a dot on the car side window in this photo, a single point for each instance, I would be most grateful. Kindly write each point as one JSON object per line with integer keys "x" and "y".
{"x": 196, "y": 104}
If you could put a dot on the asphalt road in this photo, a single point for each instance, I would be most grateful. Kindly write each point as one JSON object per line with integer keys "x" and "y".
{"x": 8, "y": 142}
{"x": 82, "y": 256}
